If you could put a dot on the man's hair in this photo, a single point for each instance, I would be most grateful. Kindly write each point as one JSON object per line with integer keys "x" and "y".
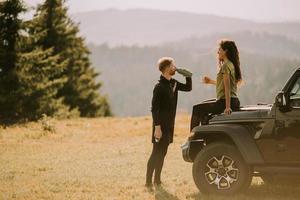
{"x": 164, "y": 62}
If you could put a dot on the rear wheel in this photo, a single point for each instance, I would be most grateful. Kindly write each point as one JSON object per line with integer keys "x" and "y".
{"x": 219, "y": 169}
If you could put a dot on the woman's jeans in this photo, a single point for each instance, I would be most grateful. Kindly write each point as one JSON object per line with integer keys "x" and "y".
{"x": 202, "y": 110}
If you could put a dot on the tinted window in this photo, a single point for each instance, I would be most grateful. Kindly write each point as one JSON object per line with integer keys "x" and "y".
{"x": 295, "y": 94}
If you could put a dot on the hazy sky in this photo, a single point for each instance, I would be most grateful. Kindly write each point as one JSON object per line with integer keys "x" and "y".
{"x": 257, "y": 10}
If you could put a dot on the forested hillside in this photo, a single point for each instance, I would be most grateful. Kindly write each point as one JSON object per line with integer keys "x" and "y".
{"x": 130, "y": 71}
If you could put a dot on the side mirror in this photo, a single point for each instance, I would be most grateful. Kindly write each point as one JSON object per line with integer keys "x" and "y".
{"x": 282, "y": 101}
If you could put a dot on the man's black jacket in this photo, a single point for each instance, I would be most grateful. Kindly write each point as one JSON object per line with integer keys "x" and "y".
{"x": 164, "y": 103}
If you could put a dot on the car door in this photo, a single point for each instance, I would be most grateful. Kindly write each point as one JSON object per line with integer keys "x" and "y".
{"x": 287, "y": 129}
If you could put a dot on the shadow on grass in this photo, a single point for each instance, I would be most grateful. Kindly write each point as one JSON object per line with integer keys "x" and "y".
{"x": 256, "y": 192}
{"x": 162, "y": 194}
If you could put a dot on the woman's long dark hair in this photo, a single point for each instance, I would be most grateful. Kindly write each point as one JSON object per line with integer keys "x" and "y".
{"x": 232, "y": 54}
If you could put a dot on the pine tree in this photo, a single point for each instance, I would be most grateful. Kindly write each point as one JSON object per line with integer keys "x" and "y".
{"x": 10, "y": 26}
{"x": 40, "y": 74}
{"x": 60, "y": 33}
{"x": 37, "y": 72}
{"x": 30, "y": 76}
{"x": 81, "y": 90}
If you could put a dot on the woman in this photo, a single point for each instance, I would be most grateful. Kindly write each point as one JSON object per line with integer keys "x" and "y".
{"x": 228, "y": 78}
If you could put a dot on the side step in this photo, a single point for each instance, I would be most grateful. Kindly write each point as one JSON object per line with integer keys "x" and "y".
{"x": 278, "y": 169}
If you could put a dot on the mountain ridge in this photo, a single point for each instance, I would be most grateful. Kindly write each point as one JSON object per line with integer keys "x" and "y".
{"x": 153, "y": 27}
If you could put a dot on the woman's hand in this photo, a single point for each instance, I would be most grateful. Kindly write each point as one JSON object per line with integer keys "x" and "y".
{"x": 207, "y": 80}
{"x": 228, "y": 111}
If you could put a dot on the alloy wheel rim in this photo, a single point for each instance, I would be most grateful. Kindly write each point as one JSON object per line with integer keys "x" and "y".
{"x": 221, "y": 172}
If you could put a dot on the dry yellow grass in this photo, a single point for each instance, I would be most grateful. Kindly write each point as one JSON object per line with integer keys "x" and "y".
{"x": 100, "y": 159}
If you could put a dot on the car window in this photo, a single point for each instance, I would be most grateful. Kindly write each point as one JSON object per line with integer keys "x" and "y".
{"x": 295, "y": 94}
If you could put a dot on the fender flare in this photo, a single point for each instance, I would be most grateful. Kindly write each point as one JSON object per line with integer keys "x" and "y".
{"x": 239, "y": 135}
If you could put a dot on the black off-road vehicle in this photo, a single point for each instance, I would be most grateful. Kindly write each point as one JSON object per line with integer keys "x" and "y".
{"x": 261, "y": 140}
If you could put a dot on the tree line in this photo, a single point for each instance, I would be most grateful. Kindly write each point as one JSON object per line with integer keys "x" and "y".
{"x": 135, "y": 72}
{"x": 45, "y": 67}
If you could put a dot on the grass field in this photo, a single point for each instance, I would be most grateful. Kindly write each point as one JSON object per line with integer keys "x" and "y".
{"x": 100, "y": 159}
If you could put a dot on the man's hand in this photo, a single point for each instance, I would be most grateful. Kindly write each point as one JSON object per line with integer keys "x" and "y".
{"x": 184, "y": 72}
{"x": 157, "y": 132}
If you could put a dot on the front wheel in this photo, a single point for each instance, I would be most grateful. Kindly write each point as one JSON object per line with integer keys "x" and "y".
{"x": 219, "y": 169}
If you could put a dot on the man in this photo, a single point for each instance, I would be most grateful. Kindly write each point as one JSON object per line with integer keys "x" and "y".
{"x": 164, "y": 103}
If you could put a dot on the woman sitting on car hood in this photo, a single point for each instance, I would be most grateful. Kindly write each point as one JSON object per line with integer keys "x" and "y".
{"x": 228, "y": 78}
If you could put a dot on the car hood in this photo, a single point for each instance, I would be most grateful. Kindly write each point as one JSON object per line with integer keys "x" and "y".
{"x": 247, "y": 113}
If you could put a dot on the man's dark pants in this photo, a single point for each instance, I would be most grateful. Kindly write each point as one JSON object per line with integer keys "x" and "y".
{"x": 156, "y": 161}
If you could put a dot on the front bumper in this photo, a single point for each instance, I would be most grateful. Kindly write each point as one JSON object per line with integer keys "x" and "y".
{"x": 185, "y": 148}
{"x": 191, "y": 148}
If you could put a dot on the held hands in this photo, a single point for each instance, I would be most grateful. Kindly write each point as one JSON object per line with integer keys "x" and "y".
{"x": 157, "y": 133}
{"x": 185, "y": 72}
{"x": 228, "y": 111}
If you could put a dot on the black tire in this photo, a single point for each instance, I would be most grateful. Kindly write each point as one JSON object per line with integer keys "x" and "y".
{"x": 237, "y": 176}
